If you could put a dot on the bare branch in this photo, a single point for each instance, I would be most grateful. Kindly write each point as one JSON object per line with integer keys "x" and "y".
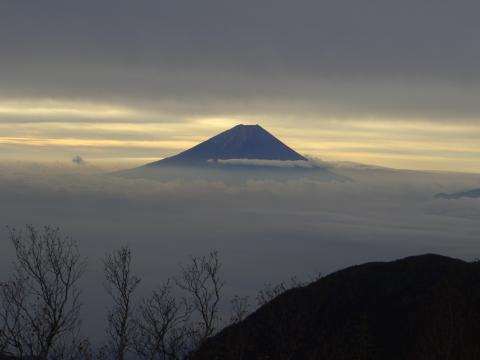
{"x": 269, "y": 291}
{"x": 40, "y": 304}
{"x": 240, "y": 307}
{"x": 200, "y": 279}
{"x": 120, "y": 284}
{"x": 163, "y": 326}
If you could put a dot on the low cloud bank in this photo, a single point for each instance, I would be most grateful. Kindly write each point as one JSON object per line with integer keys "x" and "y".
{"x": 269, "y": 163}
{"x": 265, "y": 230}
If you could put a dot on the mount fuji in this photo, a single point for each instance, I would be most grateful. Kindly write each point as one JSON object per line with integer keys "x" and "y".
{"x": 240, "y": 142}
{"x": 242, "y": 152}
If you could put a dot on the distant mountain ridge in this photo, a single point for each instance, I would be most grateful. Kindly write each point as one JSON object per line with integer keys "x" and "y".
{"x": 474, "y": 194}
{"x": 240, "y": 142}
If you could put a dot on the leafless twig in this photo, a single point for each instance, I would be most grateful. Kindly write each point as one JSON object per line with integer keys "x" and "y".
{"x": 201, "y": 280}
{"x": 120, "y": 284}
{"x": 40, "y": 304}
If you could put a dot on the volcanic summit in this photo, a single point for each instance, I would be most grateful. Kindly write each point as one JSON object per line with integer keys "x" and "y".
{"x": 240, "y": 153}
{"x": 239, "y": 142}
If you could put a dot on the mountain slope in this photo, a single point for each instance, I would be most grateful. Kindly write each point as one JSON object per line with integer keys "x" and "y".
{"x": 239, "y": 142}
{"x": 474, "y": 194}
{"x": 424, "y": 307}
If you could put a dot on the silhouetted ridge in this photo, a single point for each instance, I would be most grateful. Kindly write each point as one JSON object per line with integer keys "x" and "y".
{"x": 240, "y": 142}
{"x": 474, "y": 194}
{"x": 423, "y": 307}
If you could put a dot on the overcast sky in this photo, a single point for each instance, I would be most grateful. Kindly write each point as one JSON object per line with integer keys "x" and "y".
{"x": 393, "y": 83}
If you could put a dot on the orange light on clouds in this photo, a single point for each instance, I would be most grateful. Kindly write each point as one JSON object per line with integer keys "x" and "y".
{"x": 98, "y": 143}
{"x": 115, "y": 131}
{"x": 52, "y": 108}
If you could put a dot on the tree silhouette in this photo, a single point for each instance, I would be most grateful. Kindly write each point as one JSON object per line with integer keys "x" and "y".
{"x": 41, "y": 302}
{"x": 201, "y": 280}
{"x": 120, "y": 285}
{"x": 164, "y": 327}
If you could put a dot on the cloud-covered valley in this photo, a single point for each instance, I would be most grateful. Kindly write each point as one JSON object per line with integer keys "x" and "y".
{"x": 266, "y": 230}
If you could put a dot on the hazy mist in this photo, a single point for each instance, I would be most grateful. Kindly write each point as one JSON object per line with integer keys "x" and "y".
{"x": 265, "y": 230}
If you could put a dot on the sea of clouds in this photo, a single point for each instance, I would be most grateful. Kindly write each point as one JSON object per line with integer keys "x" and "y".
{"x": 266, "y": 230}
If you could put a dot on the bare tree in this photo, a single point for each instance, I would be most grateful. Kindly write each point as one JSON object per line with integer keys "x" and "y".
{"x": 270, "y": 292}
{"x": 163, "y": 326}
{"x": 15, "y": 327}
{"x": 200, "y": 279}
{"x": 40, "y": 305}
{"x": 240, "y": 307}
{"x": 73, "y": 348}
{"x": 120, "y": 284}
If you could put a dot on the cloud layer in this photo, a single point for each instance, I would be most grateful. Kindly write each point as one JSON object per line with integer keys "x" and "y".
{"x": 265, "y": 230}
{"x": 268, "y": 163}
{"x": 334, "y": 70}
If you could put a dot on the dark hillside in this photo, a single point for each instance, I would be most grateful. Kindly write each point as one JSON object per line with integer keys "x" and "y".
{"x": 423, "y": 307}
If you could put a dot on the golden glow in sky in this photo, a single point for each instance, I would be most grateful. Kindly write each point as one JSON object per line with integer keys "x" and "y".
{"x": 54, "y": 109}
{"x": 110, "y": 133}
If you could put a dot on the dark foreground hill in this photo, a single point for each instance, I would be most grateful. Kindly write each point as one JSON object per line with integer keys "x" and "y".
{"x": 423, "y": 307}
